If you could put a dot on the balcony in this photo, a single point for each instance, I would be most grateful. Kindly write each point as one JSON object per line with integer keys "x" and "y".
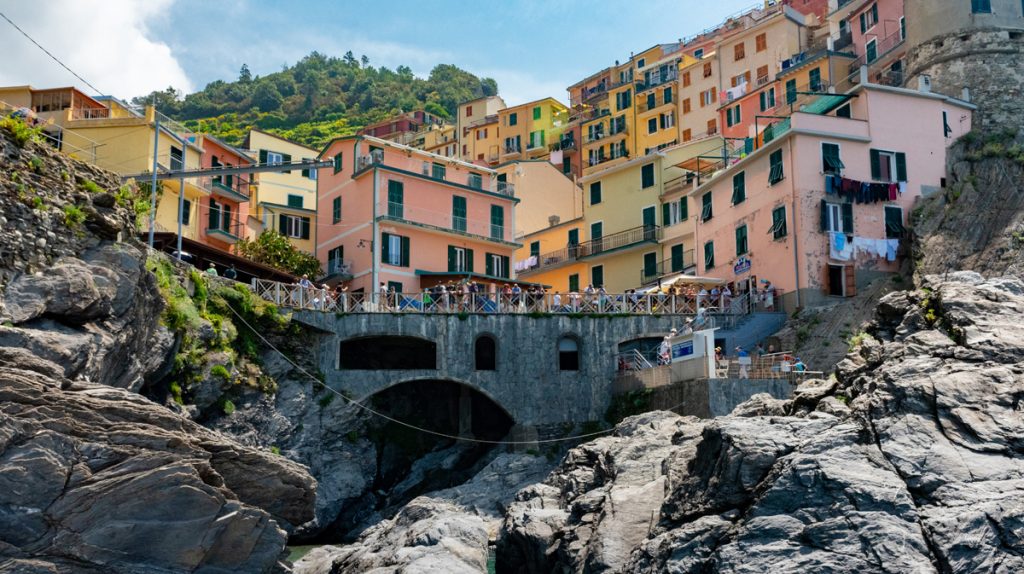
{"x": 511, "y": 149}
{"x": 656, "y": 80}
{"x": 369, "y": 160}
{"x": 486, "y": 120}
{"x": 571, "y": 253}
{"x": 842, "y": 40}
{"x": 565, "y": 144}
{"x": 603, "y": 159}
{"x": 667, "y": 267}
{"x": 340, "y": 269}
{"x": 643, "y": 108}
{"x": 506, "y": 188}
{"x": 90, "y": 113}
{"x": 444, "y": 221}
{"x": 230, "y": 232}
{"x": 592, "y": 137}
{"x": 875, "y": 56}
{"x": 233, "y": 188}
{"x": 594, "y": 114}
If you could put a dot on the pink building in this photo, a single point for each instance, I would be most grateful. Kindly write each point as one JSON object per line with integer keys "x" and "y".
{"x": 873, "y": 30}
{"x": 822, "y": 207}
{"x": 411, "y": 219}
{"x": 225, "y": 211}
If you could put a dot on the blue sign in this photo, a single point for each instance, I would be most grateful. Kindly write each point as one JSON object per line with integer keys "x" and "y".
{"x": 682, "y": 350}
{"x": 742, "y": 266}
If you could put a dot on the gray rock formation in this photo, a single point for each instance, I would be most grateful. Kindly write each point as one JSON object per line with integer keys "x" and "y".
{"x": 909, "y": 461}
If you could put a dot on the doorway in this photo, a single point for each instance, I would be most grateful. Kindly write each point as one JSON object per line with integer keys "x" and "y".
{"x": 837, "y": 280}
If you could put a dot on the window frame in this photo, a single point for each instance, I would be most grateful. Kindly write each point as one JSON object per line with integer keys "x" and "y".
{"x": 709, "y": 255}
{"x": 336, "y": 209}
{"x": 779, "y": 229}
{"x": 595, "y": 186}
{"x": 739, "y": 193}
{"x": 898, "y": 234}
{"x": 774, "y": 178}
{"x": 745, "y": 237}
{"x": 836, "y": 169}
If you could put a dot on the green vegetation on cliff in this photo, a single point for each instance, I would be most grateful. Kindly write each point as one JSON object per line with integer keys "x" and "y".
{"x": 318, "y": 98}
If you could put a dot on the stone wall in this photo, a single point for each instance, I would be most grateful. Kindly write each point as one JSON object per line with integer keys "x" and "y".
{"x": 527, "y": 382}
{"x": 715, "y": 397}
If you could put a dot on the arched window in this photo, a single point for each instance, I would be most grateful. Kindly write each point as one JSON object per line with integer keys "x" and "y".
{"x": 486, "y": 353}
{"x": 568, "y": 354}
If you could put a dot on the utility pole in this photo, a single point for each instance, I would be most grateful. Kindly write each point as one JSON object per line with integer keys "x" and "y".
{"x": 181, "y": 202}
{"x": 152, "y": 191}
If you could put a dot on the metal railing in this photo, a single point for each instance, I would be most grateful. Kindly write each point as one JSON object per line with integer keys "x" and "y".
{"x": 90, "y": 113}
{"x": 338, "y": 267}
{"x": 882, "y": 49}
{"x": 56, "y": 136}
{"x": 591, "y": 137}
{"x": 667, "y": 267}
{"x": 443, "y": 220}
{"x": 510, "y": 149}
{"x": 657, "y": 79}
{"x": 234, "y": 229}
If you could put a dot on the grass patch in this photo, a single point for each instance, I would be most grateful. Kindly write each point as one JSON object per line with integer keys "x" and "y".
{"x": 19, "y": 130}
{"x": 228, "y": 407}
{"x": 73, "y": 216}
{"x": 35, "y": 163}
{"x": 90, "y": 186}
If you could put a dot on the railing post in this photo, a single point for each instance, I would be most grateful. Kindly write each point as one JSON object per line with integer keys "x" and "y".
{"x": 277, "y": 293}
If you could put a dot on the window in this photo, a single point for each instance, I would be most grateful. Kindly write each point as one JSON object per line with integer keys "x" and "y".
{"x": 778, "y": 229}
{"x": 888, "y": 166}
{"x": 762, "y": 75}
{"x": 647, "y": 176}
{"x": 595, "y": 193}
{"x": 597, "y": 276}
{"x": 739, "y": 188}
{"x": 981, "y": 6}
{"x": 338, "y": 159}
{"x": 535, "y": 249}
{"x": 652, "y": 100}
{"x": 668, "y": 120}
{"x": 307, "y": 172}
{"x": 673, "y": 212}
{"x": 536, "y": 112}
{"x": 650, "y": 264}
{"x": 707, "y": 70}
{"x": 686, "y": 105}
{"x": 767, "y": 99}
{"x": 815, "y": 79}
{"x": 394, "y": 250}
{"x": 732, "y": 116}
{"x": 709, "y": 255}
{"x": 640, "y": 63}
{"x": 536, "y": 139}
{"x": 513, "y": 119}
{"x": 568, "y": 352}
{"x": 566, "y": 166}
{"x": 712, "y": 127}
{"x": 465, "y": 149}
{"x": 437, "y": 171}
{"x": 871, "y": 50}
{"x": 775, "y": 171}
{"x": 843, "y": 111}
{"x": 497, "y": 265}
{"x": 894, "y": 222}
{"x": 946, "y": 130}
{"x": 903, "y": 26}
{"x": 738, "y": 52}
{"x": 396, "y": 198}
{"x": 497, "y": 222}
{"x": 698, "y": 53}
{"x": 336, "y": 210}
{"x": 186, "y": 212}
{"x": 512, "y": 144}
{"x": 666, "y": 96}
{"x": 687, "y": 135}
{"x": 837, "y": 217}
{"x": 830, "y": 162}
{"x": 790, "y": 91}
{"x": 485, "y": 353}
{"x": 741, "y": 79}
{"x": 706, "y": 211}
{"x": 460, "y": 259}
{"x": 177, "y": 159}
{"x": 652, "y": 125}
{"x": 761, "y": 42}
{"x": 623, "y": 100}
{"x": 707, "y": 97}
{"x": 293, "y": 226}
{"x": 295, "y": 201}
{"x": 469, "y": 111}
{"x": 476, "y": 181}
{"x": 335, "y": 258}
{"x": 574, "y": 283}
{"x": 677, "y": 258}
{"x": 869, "y": 18}
{"x": 686, "y": 79}
{"x": 741, "y": 240}
{"x": 458, "y": 213}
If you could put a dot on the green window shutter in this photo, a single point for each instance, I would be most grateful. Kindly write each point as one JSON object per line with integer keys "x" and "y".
{"x": 385, "y": 247}
{"x": 505, "y": 266}
{"x": 458, "y": 213}
{"x": 790, "y": 91}
{"x": 338, "y": 159}
{"x": 595, "y": 193}
{"x": 901, "y": 166}
{"x": 652, "y": 101}
{"x": 823, "y": 222}
{"x": 282, "y": 223}
{"x": 489, "y": 264}
{"x": 404, "y": 259}
{"x": 305, "y": 172}
{"x": 597, "y": 276}
{"x": 536, "y": 113}
{"x": 739, "y": 192}
{"x": 650, "y": 264}
{"x": 666, "y": 214}
{"x": 684, "y": 209}
{"x": 647, "y": 175}
{"x": 677, "y": 257}
{"x": 706, "y": 211}
{"x": 469, "y": 260}
{"x": 226, "y": 226}
{"x": 263, "y": 157}
{"x": 214, "y": 214}
{"x": 874, "y": 12}
{"x": 574, "y": 237}
{"x": 764, "y": 101}
{"x": 863, "y": 23}
{"x": 285, "y": 158}
{"x": 709, "y": 255}
{"x": 396, "y": 199}
{"x": 741, "y": 240}
{"x": 305, "y": 228}
{"x": 876, "y": 165}
{"x": 451, "y": 258}
{"x": 574, "y": 282}
{"x": 336, "y": 210}
{"x": 847, "y": 210}
{"x": 535, "y": 249}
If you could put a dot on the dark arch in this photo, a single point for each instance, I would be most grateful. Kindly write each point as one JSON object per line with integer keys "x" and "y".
{"x": 568, "y": 353}
{"x": 387, "y": 352}
{"x": 485, "y": 353}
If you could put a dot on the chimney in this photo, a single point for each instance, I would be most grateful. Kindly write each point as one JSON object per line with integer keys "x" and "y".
{"x": 553, "y": 220}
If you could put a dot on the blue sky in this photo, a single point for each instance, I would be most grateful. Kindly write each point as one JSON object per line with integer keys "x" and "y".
{"x": 532, "y": 48}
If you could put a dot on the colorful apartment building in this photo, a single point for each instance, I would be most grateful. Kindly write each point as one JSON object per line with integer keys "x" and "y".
{"x": 698, "y": 97}
{"x": 227, "y": 206}
{"x": 527, "y": 129}
{"x": 822, "y": 207}
{"x": 477, "y": 129}
{"x": 874, "y": 31}
{"x": 440, "y": 139}
{"x": 285, "y": 201}
{"x": 409, "y": 219}
{"x": 403, "y": 128}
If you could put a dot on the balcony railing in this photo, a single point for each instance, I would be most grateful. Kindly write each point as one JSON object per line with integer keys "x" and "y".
{"x": 602, "y": 159}
{"x": 510, "y": 149}
{"x": 657, "y": 80}
{"x": 230, "y": 232}
{"x": 506, "y": 188}
{"x": 666, "y": 267}
{"x": 338, "y": 268}
{"x": 594, "y": 114}
{"x": 565, "y": 144}
{"x": 882, "y": 49}
{"x": 591, "y": 137}
{"x": 90, "y": 113}
{"x": 842, "y": 40}
{"x": 570, "y": 253}
{"x": 443, "y": 221}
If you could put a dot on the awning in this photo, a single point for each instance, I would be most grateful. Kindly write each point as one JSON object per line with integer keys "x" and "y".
{"x": 685, "y": 279}
{"x": 442, "y": 276}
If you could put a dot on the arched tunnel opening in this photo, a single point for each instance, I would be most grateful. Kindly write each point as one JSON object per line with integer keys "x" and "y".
{"x": 410, "y": 462}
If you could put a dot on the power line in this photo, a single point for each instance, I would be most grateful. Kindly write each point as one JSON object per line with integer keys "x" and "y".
{"x": 47, "y": 52}
{"x": 403, "y": 423}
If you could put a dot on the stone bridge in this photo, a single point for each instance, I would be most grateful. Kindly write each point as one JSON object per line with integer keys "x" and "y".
{"x": 541, "y": 370}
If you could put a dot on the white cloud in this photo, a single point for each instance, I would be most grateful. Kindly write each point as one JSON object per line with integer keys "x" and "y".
{"x": 517, "y": 87}
{"x": 108, "y": 43}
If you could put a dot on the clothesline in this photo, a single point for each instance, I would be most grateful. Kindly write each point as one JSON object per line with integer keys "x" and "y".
{"x": 863, "y": 191}
{"x": 841, "y": 249}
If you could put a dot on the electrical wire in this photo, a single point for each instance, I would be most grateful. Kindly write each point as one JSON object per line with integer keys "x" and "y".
{"x": 47, "y": 52}
{"x": 403, "y": 423}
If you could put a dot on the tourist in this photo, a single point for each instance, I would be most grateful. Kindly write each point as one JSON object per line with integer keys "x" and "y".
{"x": 716, "y": 298}
{"x": 726, "y": 298}
{"x": 556, "y": 302}
{"x": 743, "y": 359}
{"x": 799, "y": 366}
{"x": 231, "y": 273}
{"x": 759, "y": 350}
{"x": 718, "y": 353}
{"x": 702, "y": 298}
{"x": 304, "y": 282}
{"x": 383, "y": 295}
{"x": 211, "y": 270}
{"x": 665, "y": 349}
{"x": 517, "y": 292}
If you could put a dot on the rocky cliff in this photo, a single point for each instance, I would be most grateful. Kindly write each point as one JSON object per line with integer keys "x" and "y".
{"x": 908, "y": 460}
{"x": 93, "y": 476}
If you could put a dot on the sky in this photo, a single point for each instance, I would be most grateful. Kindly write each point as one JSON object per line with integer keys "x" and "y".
{"x": 532, "y": 48}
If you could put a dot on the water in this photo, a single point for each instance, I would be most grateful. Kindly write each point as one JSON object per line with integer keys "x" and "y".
{"x": 491, "y": 568}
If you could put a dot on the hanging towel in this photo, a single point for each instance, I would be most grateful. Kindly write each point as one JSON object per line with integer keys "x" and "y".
{"x": 839, "y": 248}
{"x": 839, "y": 240}
{"x": 829, "y": 190}
{"x": 902, "y": 186}
{"x": 893, "y": 191}
{"x": 891, "y": 246}
{"x": 862, "y": 245}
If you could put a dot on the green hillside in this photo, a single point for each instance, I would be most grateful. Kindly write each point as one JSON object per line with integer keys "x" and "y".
{"x": 318, "y": 98}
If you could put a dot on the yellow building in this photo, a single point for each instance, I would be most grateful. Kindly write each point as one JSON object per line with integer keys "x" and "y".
{"x": 657, "y": 94}
{"x": 439, "y": 139}
{"x": 285, "y": 201}
{"x": 698, "y": 98}
{"x": 549, "y": 256}
{"x": 477, "y": 130}
{"x": 526, "y": 130}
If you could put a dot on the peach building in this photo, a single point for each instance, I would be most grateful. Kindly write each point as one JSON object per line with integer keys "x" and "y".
{"x": 226, "y": 209}
{"x": 409, "y": 219}
{"x": 773, "y": 215}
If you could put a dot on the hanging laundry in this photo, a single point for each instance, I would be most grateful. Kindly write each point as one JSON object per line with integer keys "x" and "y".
{"x": 831, "y": 184}
{"x": 892, "y": 245}
{"x": 902, "y": 186}
{"x": 893, "y": 191}
{"x": 839, "y": 240}
{"x": 839, "y": 248}
{"x": 864, "y": 246}
{"x": 864, "y": 193}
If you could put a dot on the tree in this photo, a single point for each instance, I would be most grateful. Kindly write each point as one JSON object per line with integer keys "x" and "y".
{"x": 272, "y": 248}
{"x": 266, "y": 97}
{"x": 244, "y": 75}
{"x": 167, "y": 101}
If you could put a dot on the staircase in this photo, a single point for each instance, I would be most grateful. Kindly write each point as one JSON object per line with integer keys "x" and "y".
{"x": 751, "y": 330}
